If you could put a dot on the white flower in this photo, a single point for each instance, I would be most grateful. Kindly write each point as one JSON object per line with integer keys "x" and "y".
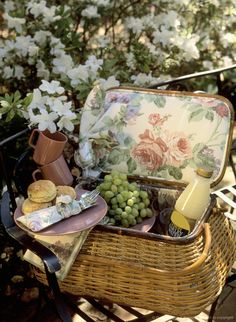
{"x": 143, "y": 79}
{"x": 78, "y": 75}
{"x": 59, "y": 107}
{"x": 49, "y": 15}
{"x": 9, "y": 6}
{"x": 38, "y": 101}
{"x": 190, "y": 48}
{"x": 130, "y": 60}
{"x": 108, "y": 83}
{"x": 42, "y": 71}
{"x": 36, "y": 9}
{"x": 44, "y": 120}
{"x": 103, "y": 41}
{"x": 90, "y": 12}
{"x": 94, "y": 64}
{"x": 33, "y": 50}
{"x": 65, "y": 122}
{"x": 14, "y": 22}
{"x": 62, "y": 64}
{"x": 41, "y": 36}
{"x": 19, "y": 72}
{"x": 135, "y": 24}
{"x": 22, "y": 45}
{"x": 51, "y": 87}
{"x": 8, "y": 72}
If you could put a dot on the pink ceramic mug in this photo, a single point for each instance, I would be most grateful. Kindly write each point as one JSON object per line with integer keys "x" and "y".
{"x": 56, "y": 171}
{"x": 47, "y": 146}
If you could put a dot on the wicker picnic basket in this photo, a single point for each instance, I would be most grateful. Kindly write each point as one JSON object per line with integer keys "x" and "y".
{"x": 179, "y": 276}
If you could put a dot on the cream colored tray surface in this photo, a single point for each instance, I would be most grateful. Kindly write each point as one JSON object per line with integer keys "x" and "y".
{"x": 157, "y": 134}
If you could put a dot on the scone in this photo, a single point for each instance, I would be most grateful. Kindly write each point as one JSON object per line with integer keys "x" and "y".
{"x": 66, "y": 190}
{"x": 42, "y": 191}
{"x": 29, "y": 206}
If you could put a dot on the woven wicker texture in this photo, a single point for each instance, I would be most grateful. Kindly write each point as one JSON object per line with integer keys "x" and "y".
{"x": 176, "y": 279}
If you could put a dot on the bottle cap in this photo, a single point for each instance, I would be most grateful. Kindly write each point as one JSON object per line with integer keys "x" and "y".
{"x": 204, "y": 172}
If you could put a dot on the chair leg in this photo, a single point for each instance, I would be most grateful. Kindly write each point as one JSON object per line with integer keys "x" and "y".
{"x": 61, "y": 307}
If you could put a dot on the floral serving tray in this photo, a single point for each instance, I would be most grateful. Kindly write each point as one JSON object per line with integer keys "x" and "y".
{"x": 164, "y": 135}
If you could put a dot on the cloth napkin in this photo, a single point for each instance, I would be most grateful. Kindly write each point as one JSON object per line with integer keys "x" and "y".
{"x": 43, "y": 218}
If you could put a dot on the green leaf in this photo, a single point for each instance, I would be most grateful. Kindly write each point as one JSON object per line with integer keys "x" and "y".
{"x": 108, "y": 121}
{"x": 28, "y": 99}
{"x": 132, "y": 165}
{"x": 209, "y": 116}
{"x": 196, "y": 115}
{"x": 10, "y": 115}
{"x": 160, "y": 101}
{"x": 175, "y": 172}
{"x": 17, "y": 96}
{"x": 115, "y": 157}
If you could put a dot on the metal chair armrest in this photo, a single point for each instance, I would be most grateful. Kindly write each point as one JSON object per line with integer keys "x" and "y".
{"x": 46, "y": 255}
{"x": 49, "y": 259}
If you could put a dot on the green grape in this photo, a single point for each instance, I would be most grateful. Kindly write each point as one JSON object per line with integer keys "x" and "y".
{"x": 130, "y": 194}
{"x": 125, "y": 185}
{"x": 138, "y": 200}
{"x": 143, "y": 213}
{"x": 130, "y": 202}
{"x": 149, "y": 212}
{"x": 118, "y": 211}
{"x": 117, "y": 217}
{"x": 106, "y": 185}
{"x": 113, "y": 200}
{"x": 136, "y": 193}
{"x": 146, "y": 202}
{"x": 122, "y": 204}
{"x": 141, "y": 205}
{"x": 123, "y": 176}
{"x": 114, "y": 206}
{"x": 124, "y": 215}
{"x": 135, "y": 206}
{"x": 135, "y": 212}
{"x": 108, "y": 177}
{"x": 109, "y": 194}
{"x": 134, "y": 222}
{"x": 125, "y": 223}
{"x": 111, "y": 212}
{"x": 134, "y": 199}
{"x": 143, "y": 194}
{"x": 130, "y": 218}
{"x": 125, "y": 195}
{"x": 113, "y": 188}
{"x": 128, "y": 209}
{"x": 139, "y": 220}
{"x": 120, "y": 188}
{"x": 120, "y": 198}
{"x": 132, "y": 187}
{"x": 117, "y": 182}
{"x": 112, "y": 221}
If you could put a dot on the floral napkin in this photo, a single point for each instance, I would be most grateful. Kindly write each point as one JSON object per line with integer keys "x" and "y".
{"x": 43, "y": 218}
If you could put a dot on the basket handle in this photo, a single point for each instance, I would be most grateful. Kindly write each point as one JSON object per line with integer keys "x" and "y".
{"x": 181, "y": 271}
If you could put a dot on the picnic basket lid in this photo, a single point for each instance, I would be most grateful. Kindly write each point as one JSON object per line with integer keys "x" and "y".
{"x": 156, "y": 134}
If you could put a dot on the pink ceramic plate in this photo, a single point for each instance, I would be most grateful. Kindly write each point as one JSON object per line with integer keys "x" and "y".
{"x": 86, "y": 219}
{"x": 146, "y": 225}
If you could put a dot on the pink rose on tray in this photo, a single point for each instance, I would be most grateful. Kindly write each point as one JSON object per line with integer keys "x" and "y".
{"x": 179, "y": 148}
{"x": 149, "y": 152}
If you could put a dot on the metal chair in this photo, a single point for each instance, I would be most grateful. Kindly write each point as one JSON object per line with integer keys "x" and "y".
{"x": 51, "y": 263}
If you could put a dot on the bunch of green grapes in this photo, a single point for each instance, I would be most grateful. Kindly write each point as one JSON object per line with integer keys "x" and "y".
{"x": 128, "y": 205}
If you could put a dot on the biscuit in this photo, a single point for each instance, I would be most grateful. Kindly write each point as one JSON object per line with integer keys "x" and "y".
{"x": 42, "y": 191}
{"x": 66, "y": 190}
{"x": 29, "y": 206}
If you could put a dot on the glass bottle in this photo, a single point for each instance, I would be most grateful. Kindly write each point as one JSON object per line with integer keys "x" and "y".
{"x": 191, "y": 204}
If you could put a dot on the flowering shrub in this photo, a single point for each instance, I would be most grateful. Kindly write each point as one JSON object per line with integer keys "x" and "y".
{"x": 76, "y": 44}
